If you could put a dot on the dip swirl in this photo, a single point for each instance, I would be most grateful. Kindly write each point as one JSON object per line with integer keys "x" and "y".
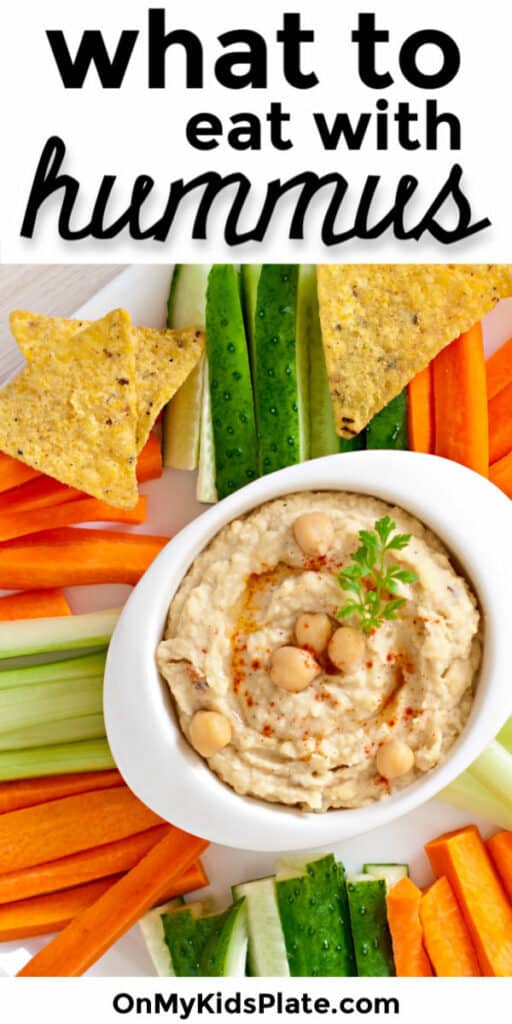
{"x": 318, "y": 748}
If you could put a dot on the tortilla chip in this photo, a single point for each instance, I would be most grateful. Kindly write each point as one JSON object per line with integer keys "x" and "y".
{"x": 72, "y": 412}
{"x": 163, "y": 359}
{"x": 382, "y": 324}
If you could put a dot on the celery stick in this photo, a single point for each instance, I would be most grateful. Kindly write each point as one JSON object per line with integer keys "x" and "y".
{"x": 505, "y": 736}
{"x": 62, "y": 633}
{"x": 62, "y": 759}
{"x": 470, "y": 795}
{"x": 494, "y": 769}
{"x": 25, "y": 706}
{"x": 86, "y": 667}
{"x": 70, "y": 730}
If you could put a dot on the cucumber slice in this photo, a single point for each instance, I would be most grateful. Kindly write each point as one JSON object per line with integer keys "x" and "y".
{"x": 153, "y": 934}
{"x": 231, "y": 397}
{"x": 390, "y": 873}
{"x": 388, "y": 429}
{"x": 281, "y": 408}
{"x": 315, "y": 884}
{"x": 368, "y": 918}
{"x": 205, "y": 487}
{"x": 267, "y": 950}
{"x": 249, "y": 278}
{"x": 353, "y": 444}
{"x": 225, "y": 953}
{"x": 294, "y": 904}
{"x": 324, "y": 439}
{"x": 182, "y": 417}
{"x": 185, "y": 935}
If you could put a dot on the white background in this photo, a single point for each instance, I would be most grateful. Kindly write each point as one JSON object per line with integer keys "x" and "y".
{"x": 134, "y": 130}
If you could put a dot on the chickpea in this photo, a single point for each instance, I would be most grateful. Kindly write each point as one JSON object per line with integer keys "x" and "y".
{"x": 314, "y": 533}
{"x": 293, "y": 669}
{"x": 313, "y": 630}
{"x": 346, "y": 649}
{"x": 210, "y": 731}
{"x": 394, "y": 758}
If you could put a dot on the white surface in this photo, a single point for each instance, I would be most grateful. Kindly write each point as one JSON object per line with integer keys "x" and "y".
{"x": 143, "y": 290}
{"x": 453, "y": 502}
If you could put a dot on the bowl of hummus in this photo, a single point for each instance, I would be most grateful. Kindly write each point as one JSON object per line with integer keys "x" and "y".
{"x": 318, "y": 654}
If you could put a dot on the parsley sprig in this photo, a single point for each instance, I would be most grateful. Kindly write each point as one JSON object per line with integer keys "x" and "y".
{"x": 371, "y": 579}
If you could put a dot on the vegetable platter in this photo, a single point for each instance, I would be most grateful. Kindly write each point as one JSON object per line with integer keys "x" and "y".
{"x": 144, "y": 291}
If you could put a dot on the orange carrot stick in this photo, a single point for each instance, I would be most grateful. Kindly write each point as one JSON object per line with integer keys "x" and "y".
{"x": 420, "y": 411}
{"x": 500, "y": 849}
{"x": 499, "y": 370}
{"x": 460, "y": 402}
{"x": 500, "y": 424}
{"x": 86, "y": 510}
{"x": 28, "y": 792}
{"x": 500, "y": 473}
{"x": 97, "y": 928}
{"x": 149, "y": 462}
{"x": 49, "y": 913}
{"x": 88, "y": 865}
{"x": 403, "y": 905}
{"x": 70, "y": 556}
{"x": 447, "y": 939}
{"x": 463, "y": 859}
{"x": 33, "y": 604}
{"x": 38, "y": 834}
{"x": 14, "y": 473}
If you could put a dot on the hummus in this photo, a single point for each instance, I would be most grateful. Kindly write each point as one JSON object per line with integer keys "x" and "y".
{"x": 317, "y": 748}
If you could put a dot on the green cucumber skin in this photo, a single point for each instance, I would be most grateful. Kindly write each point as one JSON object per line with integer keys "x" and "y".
{"x": 353, "y": 444}
{"x": 234, "y": 426}
{"x": 276, "y": 378}
{"x": 368, "y": 917}
{"x": 388, "y": 429}
{"x": 315, "y": 921}
{"x": 249, "y": 279}
{"x": 331, "y": 953}
{"x": 215, "y": 955}
{"x": 185, "y": 937}
{"x": 294, "y": 904}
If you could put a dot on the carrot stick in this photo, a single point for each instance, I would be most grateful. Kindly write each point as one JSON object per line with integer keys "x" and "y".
{"x": 33, "y": 604}
{"x": 500, "y": 474}
{"x": 460, "y": 402}
{"x": 87, "y": 510}
{"x": 499, "y": 370}
{"x": 28, "y": 792}
{"x": 500, "y": 424}
{"x": 49, "y": 913}
{"x": 44, "y": 492}
{"x": 403, "y": 905}
{"x": 149, "y": 462}
{"x": 38, "y": 834}
{"x": 97, "y": 928}
{"x": 500, "y": 849}
{"x": 447, "y": 939}
{"x": 87, "y": 865}
{"x": 420, "y": 411}
{"x": 71, "y": 556}
{"x": 463, "y": 859}
{"x": 13, "y": 473}
{"x": 81, "y": 867}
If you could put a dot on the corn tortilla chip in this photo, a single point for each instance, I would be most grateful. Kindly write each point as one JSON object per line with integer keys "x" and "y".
{"x": 72, "y": 412}
{"x": 163, "y": 359}
{"x": 382, "y": 324}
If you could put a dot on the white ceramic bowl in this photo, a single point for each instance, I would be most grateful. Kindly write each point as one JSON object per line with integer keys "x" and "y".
{"x": 471, "y": 517}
